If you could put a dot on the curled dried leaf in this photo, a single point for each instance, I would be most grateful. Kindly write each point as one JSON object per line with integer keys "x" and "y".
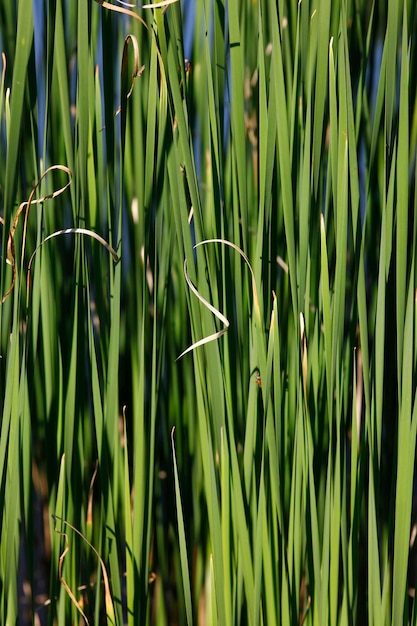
{"x": 69, "y": 231}
{"x": 209, "y": 306}
{"x": 25, "y": 206}
{"x": 117, "y": 9}
{"x": 159, "y": 5}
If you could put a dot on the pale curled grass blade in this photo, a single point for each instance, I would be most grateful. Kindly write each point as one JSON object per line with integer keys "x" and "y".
{"x": 209, "y": 306}
{"x": 123, "y": 10}
{"x": 159, "y": 5}
{"x": 25, "y": 206}
{"x": 74, "y": 231}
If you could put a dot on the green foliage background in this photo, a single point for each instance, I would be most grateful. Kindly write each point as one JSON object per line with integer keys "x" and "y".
{"x": 266, "y": 476}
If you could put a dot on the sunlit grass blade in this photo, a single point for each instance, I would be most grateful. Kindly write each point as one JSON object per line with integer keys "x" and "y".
{"x": 24, "y": 37}
{"x": 402, "y": 228}
{"x": 321, "y": 18}
{"x": 405, "y": 469}
{"x": 326, "y": 319}
{"x": 283, "y": 146}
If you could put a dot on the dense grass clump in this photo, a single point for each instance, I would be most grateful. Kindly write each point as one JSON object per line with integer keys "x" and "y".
{"x": 208, "y": 328}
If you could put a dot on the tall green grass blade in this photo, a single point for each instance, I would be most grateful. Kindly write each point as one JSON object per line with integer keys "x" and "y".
{"x": 182, "y": 540}
{"x": 321, "y": 18}
{"x": 283, "y": 146}
{"x": 326, "y": 320}
{"x": 402, "y": 197}
{"x": 390, "y": 44}
{"x": 405, "y": 470}
{"x": 24, "y": 36}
